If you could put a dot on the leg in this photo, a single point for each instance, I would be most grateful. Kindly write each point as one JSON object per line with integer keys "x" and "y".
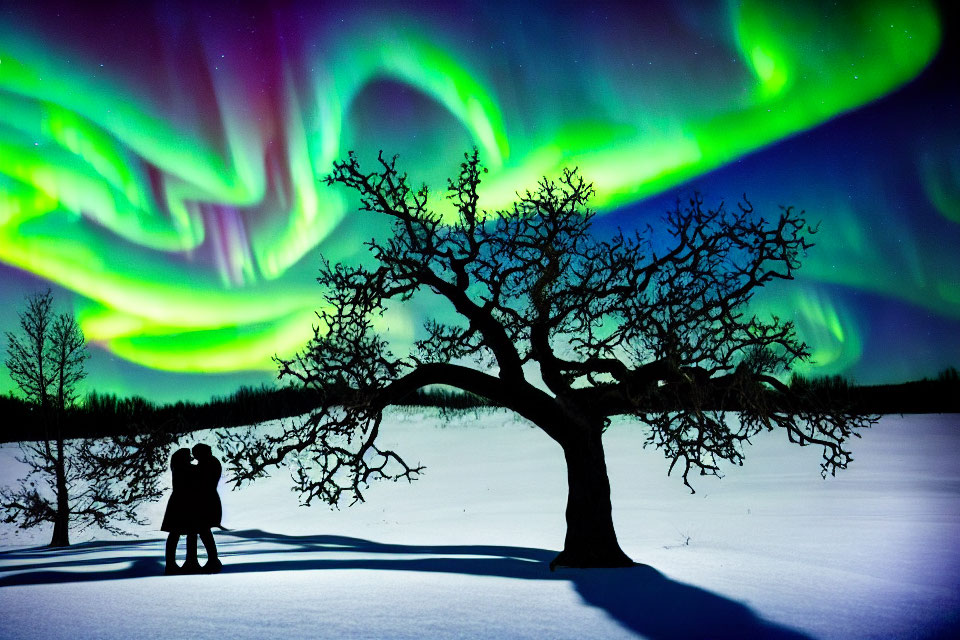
{"x": 213, "y": 562}
{"x": 170, "y": 554}
{"x": 191, "y": 564}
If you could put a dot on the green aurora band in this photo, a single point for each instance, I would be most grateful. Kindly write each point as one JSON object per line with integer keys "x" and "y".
{"x": 189, "y": 234}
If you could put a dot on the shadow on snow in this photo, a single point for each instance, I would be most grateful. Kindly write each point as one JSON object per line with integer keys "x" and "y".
{"x": 640, "y": 598}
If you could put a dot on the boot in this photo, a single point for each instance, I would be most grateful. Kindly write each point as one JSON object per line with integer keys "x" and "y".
{"x": 213, "y": 566}
{"x": 191, "y": 566}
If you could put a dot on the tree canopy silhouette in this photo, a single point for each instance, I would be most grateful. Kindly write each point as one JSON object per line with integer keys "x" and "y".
{"x": 559, "y": 326}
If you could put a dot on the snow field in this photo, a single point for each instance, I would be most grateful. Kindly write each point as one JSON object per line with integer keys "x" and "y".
{"x": 770, "y": 550}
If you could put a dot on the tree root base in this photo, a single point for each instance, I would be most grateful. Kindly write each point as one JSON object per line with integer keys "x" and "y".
{"x": 591, "y": 559}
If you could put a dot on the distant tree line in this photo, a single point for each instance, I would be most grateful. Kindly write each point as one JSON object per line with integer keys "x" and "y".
{"x": 101, "y": 414}
{"x": 939, "y": 395}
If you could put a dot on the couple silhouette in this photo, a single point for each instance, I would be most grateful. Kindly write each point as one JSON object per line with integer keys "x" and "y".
{"x": 193, "y": 509}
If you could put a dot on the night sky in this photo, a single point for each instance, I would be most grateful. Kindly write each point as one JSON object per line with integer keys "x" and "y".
{"x": 160, "y": 164}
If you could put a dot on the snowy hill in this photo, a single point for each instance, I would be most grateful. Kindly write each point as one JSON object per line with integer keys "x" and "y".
{"x": 769, "y": 551}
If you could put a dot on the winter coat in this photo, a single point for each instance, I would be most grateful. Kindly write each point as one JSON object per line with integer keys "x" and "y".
{"x": 181, "y": 514}
{"x": 209, "y": 508}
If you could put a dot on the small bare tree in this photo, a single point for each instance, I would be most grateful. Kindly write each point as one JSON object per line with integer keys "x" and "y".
{"x": 560, "y": 327}
{"x": 78, "y": 482}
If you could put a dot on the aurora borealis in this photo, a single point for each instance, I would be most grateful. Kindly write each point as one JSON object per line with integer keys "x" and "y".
{"x": 160, "y": 163}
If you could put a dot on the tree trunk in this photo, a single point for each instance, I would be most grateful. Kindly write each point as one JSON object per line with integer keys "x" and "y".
{"x": 61, "y": 522}
{"x": 591, "y": 540}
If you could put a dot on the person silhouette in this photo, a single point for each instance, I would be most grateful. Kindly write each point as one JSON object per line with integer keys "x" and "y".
{"x": 180, "y": 517}
{"x": 209, "y": 510}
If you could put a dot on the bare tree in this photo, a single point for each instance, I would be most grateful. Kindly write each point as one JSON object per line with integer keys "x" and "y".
{"x": 78, "y": 482}
{"x": 564, "y": 329}
{"x": 27, "y": 355}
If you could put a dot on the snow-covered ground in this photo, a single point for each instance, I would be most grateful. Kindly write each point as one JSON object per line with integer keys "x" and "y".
{"x": 769, "y": 551}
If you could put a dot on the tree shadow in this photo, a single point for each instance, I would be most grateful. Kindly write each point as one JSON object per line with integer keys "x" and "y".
{"x": 640, "y": 598}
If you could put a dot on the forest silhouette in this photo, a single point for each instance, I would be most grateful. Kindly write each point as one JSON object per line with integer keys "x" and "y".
{"x": 100, "y": 414}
